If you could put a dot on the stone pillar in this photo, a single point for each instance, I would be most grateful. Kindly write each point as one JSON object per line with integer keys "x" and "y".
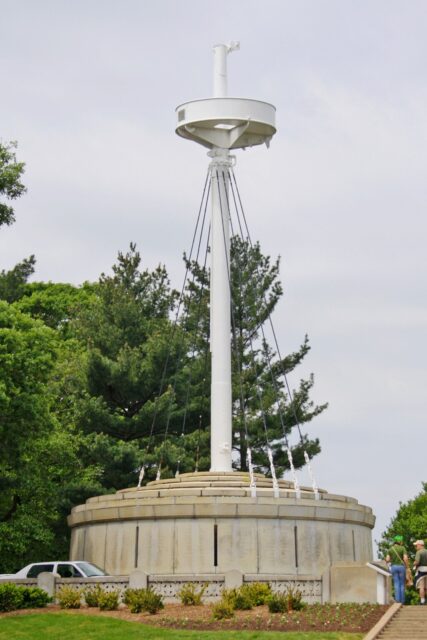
{"x": 233, "y": 579}
{"x": 47, "y": 581}
{"x": 138, "y": 579}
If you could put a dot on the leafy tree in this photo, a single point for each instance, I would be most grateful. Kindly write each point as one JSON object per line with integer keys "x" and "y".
{"x": 56, "y": 304}
{"x": 27, "y": 355}
{"x": 13, "y": 282}
{"x": 11, "y": 186}
{"x": 41, "y": 471}
{"x": 410, "y": 522}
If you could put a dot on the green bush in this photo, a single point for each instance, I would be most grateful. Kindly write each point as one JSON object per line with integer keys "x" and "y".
{"x": 222, "y": 611}
{"x": 69, "y": 597}
{"x": 108, "y": 601}
{"x": 277, "y": 603}
{"x": 259, "y": 592}
{"x": 11, "y": 597}
{"x": 14, "y": 596}
{"x": 412, "y": 596}
{"x": 189, "y": 596}
{"x": 92, "y": 595}
{"x": 294, "y": 597}
{"x": 290, "y": 600}
{"x": 34, "y": 598}
{"x": 243, "y": 599}
{"x": 143, "y": 600}
{"x": 247, "y": 596}
{"x": 228, "y": 597}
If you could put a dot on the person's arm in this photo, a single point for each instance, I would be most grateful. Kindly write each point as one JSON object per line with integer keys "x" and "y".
{"x": 406, "y": 560}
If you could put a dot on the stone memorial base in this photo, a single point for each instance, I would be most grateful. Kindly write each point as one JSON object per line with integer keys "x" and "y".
{"x": 202, "y": 525}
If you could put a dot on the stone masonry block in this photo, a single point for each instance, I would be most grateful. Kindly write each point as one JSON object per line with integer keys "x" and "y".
{"x": 138, "y": 579}
{"x": 233, "y": 579}
{"x": 214, "y": 510}
{"x": 47, "y": 581}
{"x": 173, "y": 511}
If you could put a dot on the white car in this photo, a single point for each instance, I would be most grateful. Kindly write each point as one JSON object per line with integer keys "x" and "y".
{"x": 66, "y": 569}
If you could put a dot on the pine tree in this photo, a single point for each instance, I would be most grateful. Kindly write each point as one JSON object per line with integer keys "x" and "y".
{"x": 263, "y": 413}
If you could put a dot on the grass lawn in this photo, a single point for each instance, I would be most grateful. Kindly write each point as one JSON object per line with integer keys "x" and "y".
{"x": 57, "y": 626}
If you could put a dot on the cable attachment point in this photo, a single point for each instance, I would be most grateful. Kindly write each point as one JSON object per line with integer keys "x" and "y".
{"x": 310, "y": 471}
{"x": 294, "y": 475}
{"x": 251, "y": 473}
{"x": 273, "y": 473}
{"x": 141, "y": 476}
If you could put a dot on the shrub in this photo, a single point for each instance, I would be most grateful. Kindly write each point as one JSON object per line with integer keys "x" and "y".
{"x": 259, "y": 592}
{"x": 222, "y": 611}
{"x": 294, "y": 597}
{"x": 290, "y": 600}
{"x": 189, "y": 596}
{"x": 277, "y": 603}
{"x": 412, "y": 596}
{"x": 108, "y": 601}
{"x": 243, "y": 599}
{"x": 69, "y": 598}
{"x": 34, "y": 597}
{"x": 228, "y": 597}
{"x": 143, "y": 600}
{"x": 11, "y": 597}
{"x": 92, "y": 596}
{"x": 246, "y": 596}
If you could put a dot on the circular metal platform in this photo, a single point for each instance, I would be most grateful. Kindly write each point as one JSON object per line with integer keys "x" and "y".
{"x": 227, "y": 123}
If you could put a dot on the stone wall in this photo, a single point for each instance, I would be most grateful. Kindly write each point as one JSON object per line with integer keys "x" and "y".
{"x": 199, "y": 526}
{"x": 168, "y": 586}
{"x": 343, "y": 583}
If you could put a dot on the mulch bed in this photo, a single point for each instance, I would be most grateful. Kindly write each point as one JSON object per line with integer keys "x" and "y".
{"x": 343, "y": 617}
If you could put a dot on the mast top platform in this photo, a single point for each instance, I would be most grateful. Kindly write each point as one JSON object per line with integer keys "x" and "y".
{"x": 227, "y": 123}
{"x": 223, "y": 122}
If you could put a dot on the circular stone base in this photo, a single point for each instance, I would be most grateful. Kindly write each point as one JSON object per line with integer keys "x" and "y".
{"x": 208, "y": 523}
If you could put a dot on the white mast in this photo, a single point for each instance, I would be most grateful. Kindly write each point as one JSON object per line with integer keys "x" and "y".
{"x": 221, "y": 124}
{"x": 221, "y": 398}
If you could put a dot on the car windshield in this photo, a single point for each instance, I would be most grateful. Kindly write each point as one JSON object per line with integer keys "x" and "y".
{"x": 90, "y": 569}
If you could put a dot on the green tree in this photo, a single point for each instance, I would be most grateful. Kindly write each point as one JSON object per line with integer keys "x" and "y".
{"x": 41, "y": 471}
{"x": 127, "y": 334}
{"x": 11, "y": 186}
{"x": 263, "y": 412}
{"x": 57, "y": 304}
{"x": 410, "y": 522}
{"x": 13, "y": 282}
{"x": 27, "y": 355}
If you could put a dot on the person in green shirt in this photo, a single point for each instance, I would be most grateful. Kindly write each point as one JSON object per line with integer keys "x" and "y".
{"x": 398, "y": 558}
{"x": 420, "y": 566}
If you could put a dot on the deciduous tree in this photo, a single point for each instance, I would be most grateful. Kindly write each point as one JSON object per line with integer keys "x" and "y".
{"x": 410, "y": 522}
{"x": 11, "y": 186}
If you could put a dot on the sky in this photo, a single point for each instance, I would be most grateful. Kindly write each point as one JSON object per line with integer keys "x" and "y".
{"x": 89, "y": 91}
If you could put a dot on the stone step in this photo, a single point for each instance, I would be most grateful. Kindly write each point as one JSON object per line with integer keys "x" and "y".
{"x": 409, "y": 623}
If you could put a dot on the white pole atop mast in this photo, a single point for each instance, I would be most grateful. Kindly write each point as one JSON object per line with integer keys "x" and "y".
{"x": 220, "y": 89}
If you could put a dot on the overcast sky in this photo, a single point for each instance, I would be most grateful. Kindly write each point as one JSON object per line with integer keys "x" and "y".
{"x": 89, "y": 90}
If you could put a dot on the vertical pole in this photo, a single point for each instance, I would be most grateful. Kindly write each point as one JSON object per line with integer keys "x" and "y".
{"x": 221, "y": 427}
{"x": 220, "y": 67}
{"x": 221, "y": 397}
